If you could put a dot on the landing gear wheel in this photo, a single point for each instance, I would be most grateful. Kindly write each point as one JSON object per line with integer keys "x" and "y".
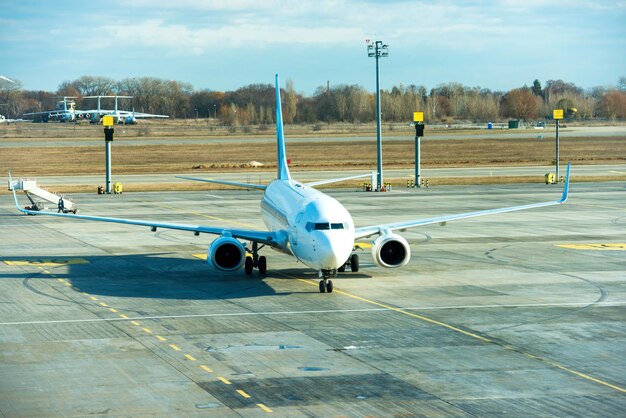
{"x": 262, "y": 265}
{"x": 322, "y": 286}
{"x": 249, "y": 265}
{"x": 329, "y": 286}
{"x": 354, "y": 263}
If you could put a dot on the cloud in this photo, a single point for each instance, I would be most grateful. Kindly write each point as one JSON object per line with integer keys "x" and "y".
{"x": 160, "y": 34}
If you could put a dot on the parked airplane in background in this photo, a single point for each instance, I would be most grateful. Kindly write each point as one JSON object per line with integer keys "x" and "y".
{"x": 120, "y": 116}
{"x": 303, "y": 222}
{"x": 66, "y": 112}
{"x": 5, "y": 120}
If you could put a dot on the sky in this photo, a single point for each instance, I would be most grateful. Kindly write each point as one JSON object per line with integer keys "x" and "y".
{"x": 222, "y": 45}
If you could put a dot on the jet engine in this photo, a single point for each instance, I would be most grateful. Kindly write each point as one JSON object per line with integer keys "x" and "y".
{"x": 226, "y": 253}
{"x": 391, "y": 250}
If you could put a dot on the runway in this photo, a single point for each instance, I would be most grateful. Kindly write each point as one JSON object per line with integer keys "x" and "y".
{"x": 518, "y": 314}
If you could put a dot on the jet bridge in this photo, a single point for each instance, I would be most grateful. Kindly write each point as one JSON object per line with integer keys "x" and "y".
{"x": 38, "y": 196}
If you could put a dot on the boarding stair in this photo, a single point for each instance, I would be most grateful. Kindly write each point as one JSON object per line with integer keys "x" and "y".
{"x": 36, "y": 194}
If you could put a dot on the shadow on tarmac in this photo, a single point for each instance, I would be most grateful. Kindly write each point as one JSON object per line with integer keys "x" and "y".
{"x": 155, "y": 276}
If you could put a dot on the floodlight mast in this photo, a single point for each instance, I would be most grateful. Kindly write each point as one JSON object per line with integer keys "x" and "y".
{"x": 377, "y": 49}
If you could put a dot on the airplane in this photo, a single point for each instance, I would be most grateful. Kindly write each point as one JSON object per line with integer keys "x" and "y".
{"x": 66, "y": 112}
{"x": 120, "y": 116}
{"x": 9, "y": 121}
{"x": 303, "y": 222}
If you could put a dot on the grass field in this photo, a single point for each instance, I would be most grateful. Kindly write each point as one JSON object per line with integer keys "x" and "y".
{"x": 237, "y": 154}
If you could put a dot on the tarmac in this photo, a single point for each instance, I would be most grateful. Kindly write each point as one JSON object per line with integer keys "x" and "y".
{"x": 518, "y": 314}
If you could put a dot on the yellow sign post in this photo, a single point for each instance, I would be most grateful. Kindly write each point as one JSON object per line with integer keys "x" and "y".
{"x": 418, "y": 121}
{"x": 107, "y": 120}
{"x": 557, "y": 114}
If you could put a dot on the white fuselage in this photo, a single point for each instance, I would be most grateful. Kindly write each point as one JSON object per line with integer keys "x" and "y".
{"x": 314, "y": 227}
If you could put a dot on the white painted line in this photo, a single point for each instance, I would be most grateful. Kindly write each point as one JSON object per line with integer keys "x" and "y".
{"x": 329, "y": 311}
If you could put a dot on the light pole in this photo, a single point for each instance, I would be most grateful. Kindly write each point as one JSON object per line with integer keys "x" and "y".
{"x": 377, "y": 49}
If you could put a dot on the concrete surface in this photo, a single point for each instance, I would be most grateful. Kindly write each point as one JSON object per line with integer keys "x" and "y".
{"x": 512, "y": 315}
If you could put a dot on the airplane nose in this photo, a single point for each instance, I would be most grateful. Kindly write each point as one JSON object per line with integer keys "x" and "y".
{"x": 333, "y": 252}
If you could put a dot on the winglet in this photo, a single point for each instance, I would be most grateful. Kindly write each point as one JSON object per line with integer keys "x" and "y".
{"x": 565, "y": 186}
{"x": 283, "y": 168}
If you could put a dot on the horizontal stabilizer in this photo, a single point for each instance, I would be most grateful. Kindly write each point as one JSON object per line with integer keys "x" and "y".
{"x": 321, "y": 182}
{"x": 228, "y": 183}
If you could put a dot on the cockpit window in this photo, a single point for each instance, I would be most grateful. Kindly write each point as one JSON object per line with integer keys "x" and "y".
{"x": 323, "y": 226}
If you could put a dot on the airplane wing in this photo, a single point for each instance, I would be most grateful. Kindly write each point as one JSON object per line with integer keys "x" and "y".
{"x": 381, "y": 229}
{"x": 147, "y": 115}
{"x": 50, "y": 113}
{"x": 262, "y": 237}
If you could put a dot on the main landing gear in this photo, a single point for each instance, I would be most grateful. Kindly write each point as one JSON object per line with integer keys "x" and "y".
{"x": 353, "y": 262}
{"x": 255, "y": 261}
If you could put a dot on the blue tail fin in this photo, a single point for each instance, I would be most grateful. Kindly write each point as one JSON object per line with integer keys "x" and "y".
{"x": 283, "y": 168}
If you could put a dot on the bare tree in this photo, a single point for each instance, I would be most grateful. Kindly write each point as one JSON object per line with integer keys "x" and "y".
{"x": 520, "y": 103}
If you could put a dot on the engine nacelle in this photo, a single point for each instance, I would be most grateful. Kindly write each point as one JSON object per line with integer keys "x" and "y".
{"x": 226, "y": 253}
{"x": 391, "y": 250}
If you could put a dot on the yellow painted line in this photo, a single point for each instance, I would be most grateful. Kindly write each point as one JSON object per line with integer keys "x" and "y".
{"x": 148, "y": 330}
{"x": 113, "y": 310}
{"x": 103, "y": 304}
{"x": 123, "y": 316}
{"x": 135, "y": 323}
{"x": 599, "y": 246}
{"x": 414, "y": 315}
{"x": 46, "y": 262}
{"x": 206, "y": 369}
{"x": 47, "y": 272}
{"x": 586, "y": 376}
{"x": 244, "y": 394}
{"x": 265, "y": 408}
{"x": 161, "y": 338}
{"x": 470, "y": 334}
{"x": 200, "y": 256}
{"x": 67, "y": 284}
{"x": 226, "y": 382}
{"x": 363, "y": 244}
{"x": 93, "y": 298}
{"x": 174, "y": 347}
{"x": 61, "y": 280}
{"x": 190, "y": 357}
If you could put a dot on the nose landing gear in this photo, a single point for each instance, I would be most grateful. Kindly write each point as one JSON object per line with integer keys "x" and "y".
{"x": 326, "y": 285}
